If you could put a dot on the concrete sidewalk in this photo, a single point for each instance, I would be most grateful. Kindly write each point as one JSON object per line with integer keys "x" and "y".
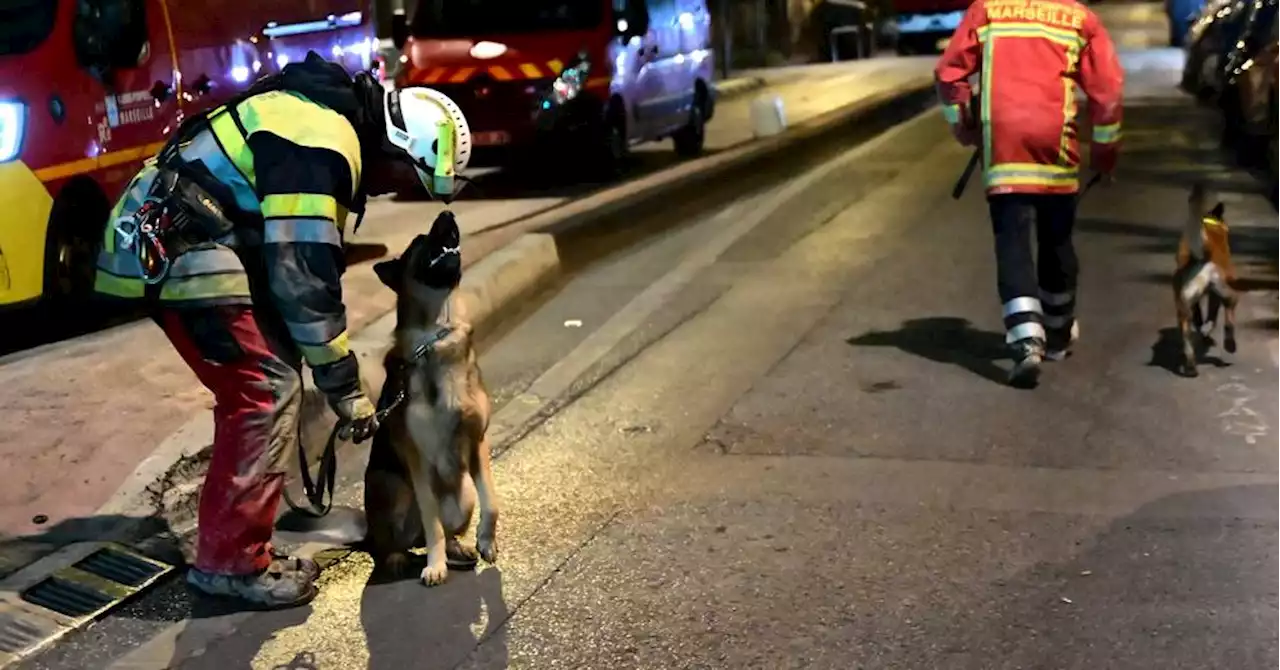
{"x": 83, "y": 415}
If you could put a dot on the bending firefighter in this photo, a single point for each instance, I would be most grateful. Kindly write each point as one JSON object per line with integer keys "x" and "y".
{"x": 232, "y": 236}
{"x": 1031, "y": 55}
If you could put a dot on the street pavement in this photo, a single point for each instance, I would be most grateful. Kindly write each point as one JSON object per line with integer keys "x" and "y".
{"x": 793, "y": 449}
{"x": 82, "y": 415}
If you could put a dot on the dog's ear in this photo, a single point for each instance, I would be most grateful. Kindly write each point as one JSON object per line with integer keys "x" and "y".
{"x": 390, "y": 273}
{"x": 1218, "y": 211}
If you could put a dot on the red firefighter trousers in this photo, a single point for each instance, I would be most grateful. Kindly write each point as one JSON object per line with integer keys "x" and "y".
{"x": 257, "y": 391}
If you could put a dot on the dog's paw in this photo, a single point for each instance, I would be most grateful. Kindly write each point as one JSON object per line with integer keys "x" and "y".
{"x": 396, "y": 565}
{"x": 435, "y": 574}
{"x": 460, "y": 556}
{"x": 1188, "y": 371}
{"x": 488, "y": 548}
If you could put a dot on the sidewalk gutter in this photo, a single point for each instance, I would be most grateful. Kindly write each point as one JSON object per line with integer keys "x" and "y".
{"x": 166, "y": 484}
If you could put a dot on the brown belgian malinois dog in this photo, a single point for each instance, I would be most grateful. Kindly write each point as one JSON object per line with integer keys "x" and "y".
{"x": 1204, "y": 270}
{"x": 429, "y": 464}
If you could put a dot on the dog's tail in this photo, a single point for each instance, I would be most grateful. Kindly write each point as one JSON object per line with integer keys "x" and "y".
{"x": 1193, "y": 230}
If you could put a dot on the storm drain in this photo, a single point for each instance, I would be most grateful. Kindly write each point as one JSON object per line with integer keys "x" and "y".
{"x": 67, "y": 590}
{"x": 124, "y": 567}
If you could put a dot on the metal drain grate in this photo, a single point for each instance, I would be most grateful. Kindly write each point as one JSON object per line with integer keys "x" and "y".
{"x": 67, "y": 597}
{"x": 128, "y": 569}
{"x": 17, "y": 634}
{"x": 66, "y": 590}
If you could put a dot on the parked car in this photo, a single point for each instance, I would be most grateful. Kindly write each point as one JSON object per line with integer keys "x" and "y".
{"x": 1209, "y": 41}
{"x": 1257, "y": 110}
{"x": 1181, "y": 15}
{"x": 580, "y": 78}
{"x": 1249, "y": 105}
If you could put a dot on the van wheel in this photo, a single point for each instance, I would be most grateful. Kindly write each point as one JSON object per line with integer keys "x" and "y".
{"x": 607, "y": 157}
{"x": 71, "y": 246}
{"x": 690, "y": 139}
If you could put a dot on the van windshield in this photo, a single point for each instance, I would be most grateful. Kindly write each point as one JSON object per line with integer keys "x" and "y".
{"x": 469, "y": 18}
{"x": 24, "y": 24}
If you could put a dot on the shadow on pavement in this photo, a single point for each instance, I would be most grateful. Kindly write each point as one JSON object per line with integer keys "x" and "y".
{"x": 1166, "y": 353}
{"x": 1190, "y": 570}
{"x": 240, "y": 649}
{"x": 19, "y": 551}
{"x": 401, "y": 619}
{"x": 944, "y": 339}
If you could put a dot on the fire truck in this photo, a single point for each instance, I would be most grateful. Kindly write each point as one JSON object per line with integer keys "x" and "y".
{"x": 91, "y": 88}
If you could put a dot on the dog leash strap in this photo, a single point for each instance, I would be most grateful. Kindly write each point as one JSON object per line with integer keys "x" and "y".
{"x": 327, "y": 476}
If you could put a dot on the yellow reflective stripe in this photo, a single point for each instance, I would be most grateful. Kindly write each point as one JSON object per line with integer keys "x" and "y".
{"x": 951, "y": 113}
{"x": 120, "y": 287}
{"x": 233, "y": 144}
{"x": 1067, "y": 38}
{"x": 204, "y": 287}
{"x": 311, "y": 205}
{"x": 1068, "y": 107}
{"x": 984, "y": 95}
{"x": 330, "y": 352}
{"x": 1106, "y": 134}
{"x": 444, "y": 146}
{"x": 297, "y": 119}
{"x": 342, "y": 215}
{"x": 1031, "y": 174}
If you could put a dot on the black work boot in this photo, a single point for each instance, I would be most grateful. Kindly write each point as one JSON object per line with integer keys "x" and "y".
{"x": 1060, "y": 340}
{"x": 1027, "y": 355}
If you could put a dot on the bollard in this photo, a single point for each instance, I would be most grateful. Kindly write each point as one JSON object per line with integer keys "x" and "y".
{"x": 767, "y": 115}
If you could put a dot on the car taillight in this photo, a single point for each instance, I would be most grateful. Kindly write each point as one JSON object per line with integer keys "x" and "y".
{"x": 12, "y": 118}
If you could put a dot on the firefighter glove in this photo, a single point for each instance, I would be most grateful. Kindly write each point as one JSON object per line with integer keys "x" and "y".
{"x": 358, "y": 418}
{"x": 966, "y": 135}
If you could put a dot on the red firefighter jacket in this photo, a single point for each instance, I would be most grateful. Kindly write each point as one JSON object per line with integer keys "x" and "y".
{"x": 1031, "y": 54}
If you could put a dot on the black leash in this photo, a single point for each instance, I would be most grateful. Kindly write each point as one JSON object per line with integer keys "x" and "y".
{"x": 963, "y": 181}
{"x": 315, "y": 489}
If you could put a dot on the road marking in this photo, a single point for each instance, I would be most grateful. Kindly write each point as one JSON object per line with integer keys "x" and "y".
{"x": 521, "y": 410}
{"x": 1241, "y": 420}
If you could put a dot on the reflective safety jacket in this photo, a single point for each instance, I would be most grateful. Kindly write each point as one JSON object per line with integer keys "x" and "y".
{"x": 297, "y": 164}
{"x": 1031, "y": 55}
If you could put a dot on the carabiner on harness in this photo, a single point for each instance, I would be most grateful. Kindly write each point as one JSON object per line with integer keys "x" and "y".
{"x": 152, "y": 221}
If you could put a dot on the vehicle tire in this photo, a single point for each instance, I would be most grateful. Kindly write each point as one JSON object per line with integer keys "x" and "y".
{"x": 690, "y": 139}
{"x": 608, "y": 152}
{"x": 71, "y": 247}
{"x": 1233, "y": 130}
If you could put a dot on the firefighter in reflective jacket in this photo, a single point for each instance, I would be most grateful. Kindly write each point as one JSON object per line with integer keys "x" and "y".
{"x": 1031, "y": 55}
{"x": 247, "y": 309}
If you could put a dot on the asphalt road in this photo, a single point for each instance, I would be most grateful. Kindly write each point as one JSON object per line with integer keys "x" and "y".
{"x": 777, "y": 438}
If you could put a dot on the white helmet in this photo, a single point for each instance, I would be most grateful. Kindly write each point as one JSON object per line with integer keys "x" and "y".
{"x": 416, "y": 120}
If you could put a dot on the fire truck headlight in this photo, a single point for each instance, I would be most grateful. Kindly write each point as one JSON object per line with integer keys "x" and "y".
{"x": 11, "y": 120}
